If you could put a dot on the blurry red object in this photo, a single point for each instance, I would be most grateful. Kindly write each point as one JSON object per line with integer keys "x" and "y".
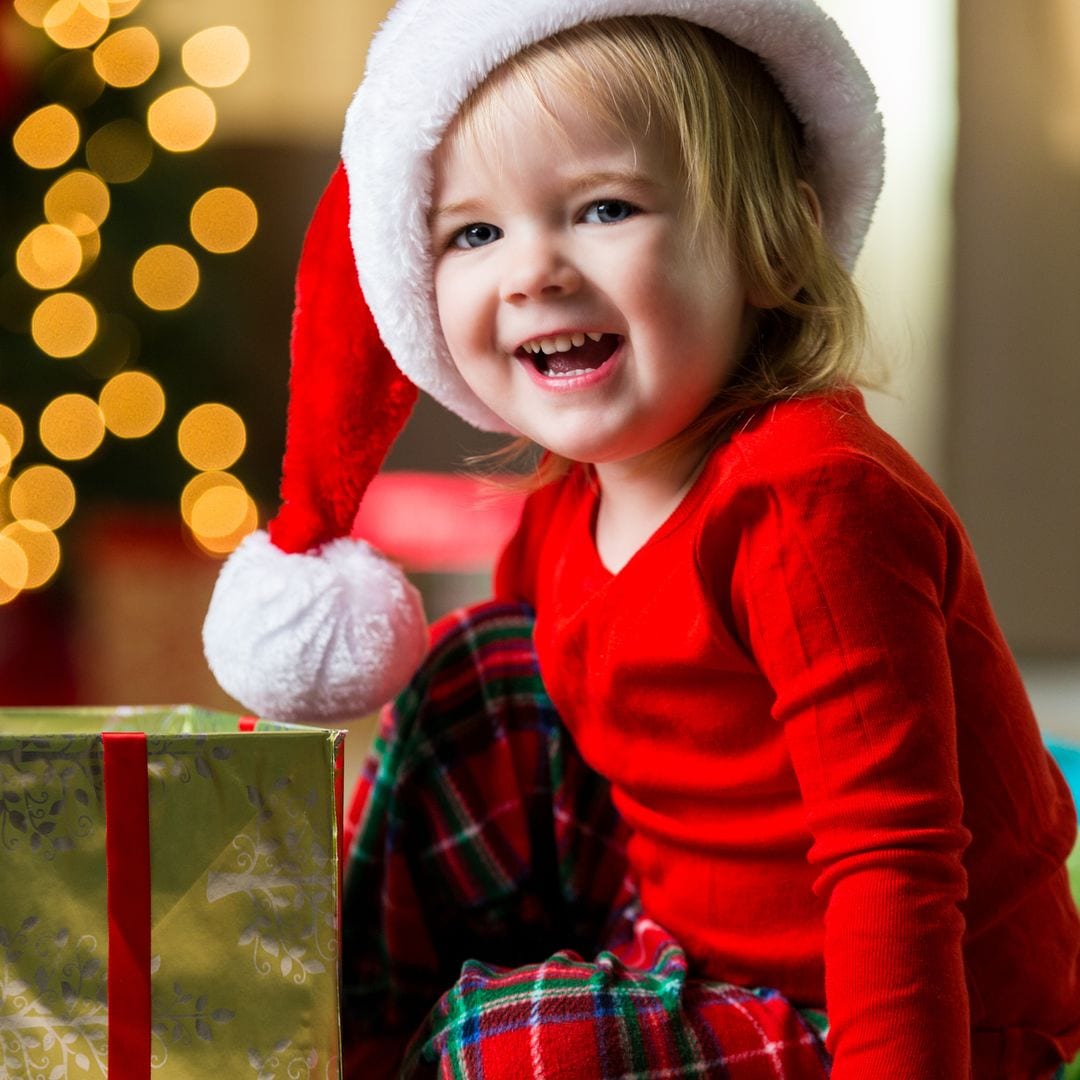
{"x": 437, "y": 522}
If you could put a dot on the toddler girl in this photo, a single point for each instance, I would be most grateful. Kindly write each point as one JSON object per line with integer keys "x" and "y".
{"x": 799, "y": 818}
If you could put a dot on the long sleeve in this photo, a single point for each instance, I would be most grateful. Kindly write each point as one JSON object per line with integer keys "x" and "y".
{"x": 841, "y": 588}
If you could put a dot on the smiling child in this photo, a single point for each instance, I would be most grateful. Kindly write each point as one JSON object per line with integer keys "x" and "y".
{"x": 736, "y": 776}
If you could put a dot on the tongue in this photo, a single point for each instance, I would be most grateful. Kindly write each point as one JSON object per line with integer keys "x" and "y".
{"x": 582, "y": 358}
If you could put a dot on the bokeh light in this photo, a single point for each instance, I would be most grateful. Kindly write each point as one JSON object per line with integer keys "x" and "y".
{"x": 91, "y": 249}
{"x": 70, "y": 79}
{"x": 165, "y": 277}
{"x": 11, "y": 431}
{"x": 6, "y": 458}
{"x": 76, "y": 24}
{"x": 71, "y": 427}
{"x": 64, "y": 324}
{"x": 224, "y": 220}
{"x": 47, "y": 137}
{"x": 182, "y": 119}
{"x": 119, "y": 151}
{"x": 43, "y": 493}
{"x": 33, "y": 11}
{"x": 222, "y": 517}
{"x": 212, "y": 437}
{"x": 132, "y": 404}
{"x": 199, "y": 485}
{"x": 14, "y": 569}
{"x": 78, "y": 201}
{"x": 127, "y": 58}
{"x": 219, "y": 511}
{"x": 49, "y": 257}
{"x": 41, "y": 548}
{"x": 119, "y": 8}
{"x": 217, "y": 56}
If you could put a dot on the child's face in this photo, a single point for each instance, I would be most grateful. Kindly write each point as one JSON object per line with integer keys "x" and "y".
{"x": 556, "y": 236}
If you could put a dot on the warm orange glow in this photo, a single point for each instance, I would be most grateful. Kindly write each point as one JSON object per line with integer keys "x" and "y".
{"x": 47, "y": 137}
{"x": 224, "y": 220}
{"x": 71, "y": 427}
{"x": 11, "y": 430}
{"x": 78, "y": 201}
{"x": 132, "y": 404}
{"x": 6, "y": 458}
{"x": 91, "y": 249}
{"x": 127, "y": 58}
{"x": 216, "y": 511}
{"x": 119, "y": 151}
{"x": 76, "y": 24}
{"x": 219, "y": 512}
{"x": 14, "y": 569}
{"x": 165, "y": 277}
{"x": 199, "y": 485}
{"x": 217, "y": 56}
{"x": 182, "y": 119}
{"x": 41, "y": 548}
{"x": 49, "y": 257}
{"x": 212, "y": 437}
{"x": 64, "y": 325}
{"x": 119, "y": 8}
{"x": 33, "y": 11}
{"x": 43, "y": 493}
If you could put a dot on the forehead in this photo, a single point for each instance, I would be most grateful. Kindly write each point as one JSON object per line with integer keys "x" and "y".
{"x": 513, "y": 126}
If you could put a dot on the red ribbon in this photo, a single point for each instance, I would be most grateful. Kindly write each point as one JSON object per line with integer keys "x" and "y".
{"x": 127, "y": 860}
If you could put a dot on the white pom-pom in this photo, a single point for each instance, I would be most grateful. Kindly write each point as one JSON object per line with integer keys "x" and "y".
{"x": 327, "y": 636}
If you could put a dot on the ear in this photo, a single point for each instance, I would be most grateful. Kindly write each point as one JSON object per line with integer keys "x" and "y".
{"x": 761, "y": 298}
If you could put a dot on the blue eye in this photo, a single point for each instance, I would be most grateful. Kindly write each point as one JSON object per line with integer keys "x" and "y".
{"x": 475, "y": 236}
{"x": 608, "y": 211}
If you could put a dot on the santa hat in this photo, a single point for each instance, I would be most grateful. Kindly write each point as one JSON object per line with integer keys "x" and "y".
{"x": 306, "y": 621}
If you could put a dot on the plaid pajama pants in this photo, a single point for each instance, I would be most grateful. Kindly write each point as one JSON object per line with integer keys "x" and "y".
{"x": 488, "y": 920}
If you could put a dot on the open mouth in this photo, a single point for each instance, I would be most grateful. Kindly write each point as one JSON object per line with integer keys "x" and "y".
{"x": 566, "y": 355}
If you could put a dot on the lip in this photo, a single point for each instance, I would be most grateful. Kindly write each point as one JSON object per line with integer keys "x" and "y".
{"x": 570, "y": 383}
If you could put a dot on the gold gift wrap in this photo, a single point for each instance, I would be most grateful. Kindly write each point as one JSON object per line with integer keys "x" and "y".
{"x": 244, "y": 886}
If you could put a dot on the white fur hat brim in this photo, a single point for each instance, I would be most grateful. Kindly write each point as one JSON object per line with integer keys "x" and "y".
{"x": 430, "y": 54}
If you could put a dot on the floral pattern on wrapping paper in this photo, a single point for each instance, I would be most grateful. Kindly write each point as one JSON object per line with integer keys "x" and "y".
{"x": 54, "y": 1026}
{"x": 179, "y": 1017}
{"x": 50, "y": 793}
{"x": 284, "y": 1061}
{"x": 177, "y": 758}
{"x": 286, "y": 878}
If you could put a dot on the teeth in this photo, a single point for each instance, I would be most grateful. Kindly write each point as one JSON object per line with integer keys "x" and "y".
{"x": 560, "y": 343}
{"x": 565, "y": 374}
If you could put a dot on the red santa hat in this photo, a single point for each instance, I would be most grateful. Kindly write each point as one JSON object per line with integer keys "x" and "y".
{"x": 307, "y": 622}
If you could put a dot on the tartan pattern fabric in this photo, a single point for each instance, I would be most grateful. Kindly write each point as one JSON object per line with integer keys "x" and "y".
{"x": 488, "y": 863}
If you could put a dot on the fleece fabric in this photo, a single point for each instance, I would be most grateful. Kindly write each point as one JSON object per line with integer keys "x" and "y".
{"x": 821, "y": 744}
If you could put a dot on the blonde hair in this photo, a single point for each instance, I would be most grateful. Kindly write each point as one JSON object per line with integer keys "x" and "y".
{"x": 745, "y": 168}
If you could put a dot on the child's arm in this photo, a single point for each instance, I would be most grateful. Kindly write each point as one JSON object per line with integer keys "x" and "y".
{"x": 844, "y": 573}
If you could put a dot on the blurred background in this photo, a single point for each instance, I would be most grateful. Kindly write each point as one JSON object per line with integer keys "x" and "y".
{"x": 158, "y": 165}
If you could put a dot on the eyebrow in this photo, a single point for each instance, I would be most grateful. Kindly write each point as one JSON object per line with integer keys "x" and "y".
{"x": 578, "y": 183}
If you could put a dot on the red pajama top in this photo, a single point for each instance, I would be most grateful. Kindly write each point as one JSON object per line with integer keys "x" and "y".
{"x": 821, "y": 743}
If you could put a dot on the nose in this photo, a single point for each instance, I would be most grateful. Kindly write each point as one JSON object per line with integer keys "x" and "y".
{"x": 539, "y": 270}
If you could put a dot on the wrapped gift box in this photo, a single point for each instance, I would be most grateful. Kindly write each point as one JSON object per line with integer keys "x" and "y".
{"x": 169, "y": 887}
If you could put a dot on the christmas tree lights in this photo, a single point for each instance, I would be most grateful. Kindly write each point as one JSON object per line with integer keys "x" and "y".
{"x": 82, "y": 297}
